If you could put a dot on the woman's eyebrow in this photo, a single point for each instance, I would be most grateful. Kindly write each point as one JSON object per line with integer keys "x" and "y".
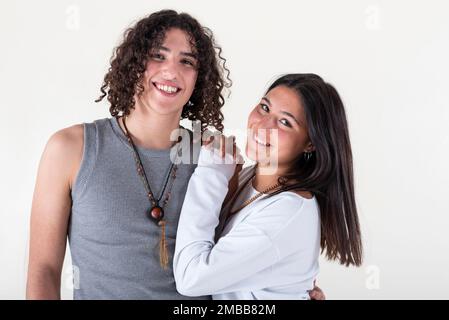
{"x": 284, "y": 112}
{"x": 267, "y": 100}
{"x": 292, "y": 116}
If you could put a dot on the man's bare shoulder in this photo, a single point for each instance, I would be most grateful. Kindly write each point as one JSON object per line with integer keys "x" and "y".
{"x": 64, "y": 151}
{"x": 67, "y": 138}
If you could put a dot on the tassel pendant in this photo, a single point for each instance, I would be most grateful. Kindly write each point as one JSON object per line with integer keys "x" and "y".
{"x": 163, "y": 253}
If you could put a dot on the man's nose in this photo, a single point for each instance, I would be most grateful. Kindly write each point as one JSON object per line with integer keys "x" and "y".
{"x": 169, "y": 70}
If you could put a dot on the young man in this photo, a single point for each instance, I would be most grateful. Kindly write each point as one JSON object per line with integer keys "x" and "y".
{"x": 89, "y": 187}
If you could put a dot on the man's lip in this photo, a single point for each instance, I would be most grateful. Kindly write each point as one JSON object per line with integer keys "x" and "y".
{"x": 165, "y": 93}
{"x": 167, "y": 83}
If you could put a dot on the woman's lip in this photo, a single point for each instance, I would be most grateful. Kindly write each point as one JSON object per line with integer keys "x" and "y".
{"x": 260, "y": 142}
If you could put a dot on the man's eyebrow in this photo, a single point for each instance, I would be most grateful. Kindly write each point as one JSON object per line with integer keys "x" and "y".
{"x": 188, "y": 54}
{"x": 163, "y": 48}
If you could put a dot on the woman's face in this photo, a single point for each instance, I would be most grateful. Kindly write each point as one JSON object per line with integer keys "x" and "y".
{"x": 277, "y": 129}
{"x": 170, "y": 75}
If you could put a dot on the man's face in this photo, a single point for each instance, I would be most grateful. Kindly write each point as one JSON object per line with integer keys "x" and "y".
{"x": 170, "y": 74}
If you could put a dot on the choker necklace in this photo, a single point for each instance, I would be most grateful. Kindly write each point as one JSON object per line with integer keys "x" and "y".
{"x": 156, "y": 210}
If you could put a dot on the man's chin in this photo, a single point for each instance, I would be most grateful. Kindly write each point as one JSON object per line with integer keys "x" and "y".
{"x": 165, "y": 108}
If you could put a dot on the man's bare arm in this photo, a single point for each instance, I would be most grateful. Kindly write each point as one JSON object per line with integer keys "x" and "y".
{"x": 50, "y": 212}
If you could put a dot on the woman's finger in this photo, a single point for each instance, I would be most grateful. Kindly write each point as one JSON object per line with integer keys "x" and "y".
{"x": 223, "y": 145}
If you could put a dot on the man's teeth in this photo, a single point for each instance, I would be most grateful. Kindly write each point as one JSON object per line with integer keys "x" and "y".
{"x": 165, "y": 88}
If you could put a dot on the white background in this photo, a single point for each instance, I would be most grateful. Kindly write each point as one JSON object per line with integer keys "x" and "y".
{"x": 388, "y": 60}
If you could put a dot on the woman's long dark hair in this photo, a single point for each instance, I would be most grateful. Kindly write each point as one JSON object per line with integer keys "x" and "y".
{"x": 328, "y": 171}
{"x": 129, "y": 60}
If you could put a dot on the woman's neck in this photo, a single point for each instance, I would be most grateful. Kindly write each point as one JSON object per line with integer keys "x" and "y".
{"x": 151, "y": 130}
{"x": 262, "y": 180}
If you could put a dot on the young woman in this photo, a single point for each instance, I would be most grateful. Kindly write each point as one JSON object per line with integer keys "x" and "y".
{"x": 272, "y": 228}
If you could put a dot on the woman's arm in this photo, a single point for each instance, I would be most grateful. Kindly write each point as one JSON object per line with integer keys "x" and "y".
{"x": 50, "y": 212}
{"x": 203, "y": 267}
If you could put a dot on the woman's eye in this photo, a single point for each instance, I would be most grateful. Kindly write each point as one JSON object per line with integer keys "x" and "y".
{"x": 285, "y": 122}
{"x": 264, "y": 107}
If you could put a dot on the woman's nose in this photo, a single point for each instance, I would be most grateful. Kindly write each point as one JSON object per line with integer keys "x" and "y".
{"x": 268, "y": 122}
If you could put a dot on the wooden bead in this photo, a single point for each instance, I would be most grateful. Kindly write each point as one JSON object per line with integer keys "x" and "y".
{"x": 156, "y": 213}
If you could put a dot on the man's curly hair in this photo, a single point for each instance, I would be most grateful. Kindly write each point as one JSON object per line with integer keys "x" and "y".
{"x": 129, "y": 60}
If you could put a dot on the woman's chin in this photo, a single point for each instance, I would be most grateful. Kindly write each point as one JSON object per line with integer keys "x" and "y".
{"x": 256, "y": 156}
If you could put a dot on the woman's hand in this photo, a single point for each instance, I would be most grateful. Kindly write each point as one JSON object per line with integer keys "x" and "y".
{"x": 220, "y": 153}
{"x": 316, "y": 293}
{"x": 223, "y": 145}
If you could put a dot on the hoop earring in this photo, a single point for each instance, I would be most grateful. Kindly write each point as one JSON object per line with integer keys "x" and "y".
{"x": 307, "y": 156}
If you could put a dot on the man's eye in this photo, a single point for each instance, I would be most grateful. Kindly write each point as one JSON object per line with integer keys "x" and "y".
{"x": 188, "y": 63}
{"x": 157, "y": 56}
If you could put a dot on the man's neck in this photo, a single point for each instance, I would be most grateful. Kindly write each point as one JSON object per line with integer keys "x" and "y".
{"x": 150, "y": 130}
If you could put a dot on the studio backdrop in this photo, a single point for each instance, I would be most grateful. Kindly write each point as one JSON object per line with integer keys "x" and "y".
{"x": 388, "y": 60}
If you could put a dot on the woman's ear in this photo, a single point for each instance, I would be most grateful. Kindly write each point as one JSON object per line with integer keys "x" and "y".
{"x": 309, "y": 147}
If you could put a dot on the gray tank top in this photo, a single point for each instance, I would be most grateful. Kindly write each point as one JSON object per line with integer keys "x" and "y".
{"x": 114, "y": 246}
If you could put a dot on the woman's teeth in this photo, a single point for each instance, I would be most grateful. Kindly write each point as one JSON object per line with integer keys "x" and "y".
{"x": 165, "y": 88}
{"x": 261, "y": 142}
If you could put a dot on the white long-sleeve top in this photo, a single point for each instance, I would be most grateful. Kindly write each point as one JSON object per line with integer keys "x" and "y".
{"x": 268, "y": 250}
